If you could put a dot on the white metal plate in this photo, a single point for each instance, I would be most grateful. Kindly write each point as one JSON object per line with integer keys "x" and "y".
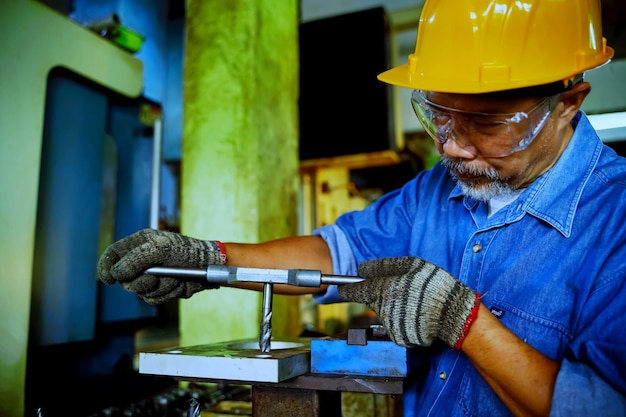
{"x": 239, "y": 360}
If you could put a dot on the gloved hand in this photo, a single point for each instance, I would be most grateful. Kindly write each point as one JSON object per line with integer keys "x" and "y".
{"x": 127, "y": 259}
{"x": 416, "y": 301}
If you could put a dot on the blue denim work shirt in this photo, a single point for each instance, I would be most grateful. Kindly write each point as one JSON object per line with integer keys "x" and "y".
{"x": 551, "y": 266}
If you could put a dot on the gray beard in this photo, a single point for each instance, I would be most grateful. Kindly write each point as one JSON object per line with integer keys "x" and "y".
{"x": 497, "y": 186}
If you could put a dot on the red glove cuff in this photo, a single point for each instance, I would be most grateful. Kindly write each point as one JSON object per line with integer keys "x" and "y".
{"x": 223, "y": 257}
{"x": 468, "y": 323}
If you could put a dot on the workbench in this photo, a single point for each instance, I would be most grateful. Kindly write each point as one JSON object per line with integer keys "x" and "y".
{"x": 313, "y": 395}
{"x": 300, "y": 377}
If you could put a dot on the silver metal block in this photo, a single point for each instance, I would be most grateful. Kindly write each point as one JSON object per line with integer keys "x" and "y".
{"x": 239, "y": 360}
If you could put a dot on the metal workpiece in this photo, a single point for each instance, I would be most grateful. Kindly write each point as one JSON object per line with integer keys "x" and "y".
{"x": 223, "y": 274}
{"x": 238, "y": 360}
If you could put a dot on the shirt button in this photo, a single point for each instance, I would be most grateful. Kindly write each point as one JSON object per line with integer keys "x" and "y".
{"x": 443, "y": 375}
{"x": 477, "y": 247}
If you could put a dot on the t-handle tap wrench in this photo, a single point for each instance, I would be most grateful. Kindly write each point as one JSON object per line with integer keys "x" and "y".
{"x": 223, "y": 274}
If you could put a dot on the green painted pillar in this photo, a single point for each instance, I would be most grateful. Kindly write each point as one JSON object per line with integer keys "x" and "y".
{"x": 240, "y": 149}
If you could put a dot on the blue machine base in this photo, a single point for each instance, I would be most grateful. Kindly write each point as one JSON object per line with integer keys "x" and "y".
{"x": 376, "y": 358}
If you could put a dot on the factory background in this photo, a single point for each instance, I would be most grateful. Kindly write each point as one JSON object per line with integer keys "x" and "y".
{"x": 231, "y": 120}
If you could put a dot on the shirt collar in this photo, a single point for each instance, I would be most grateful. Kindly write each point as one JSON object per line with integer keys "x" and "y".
{"x": 554, "y": 196}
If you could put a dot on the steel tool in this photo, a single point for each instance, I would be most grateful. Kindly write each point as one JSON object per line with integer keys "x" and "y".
{"x": 222, "y": 274}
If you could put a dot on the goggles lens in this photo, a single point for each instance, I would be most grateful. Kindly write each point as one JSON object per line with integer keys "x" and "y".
{"x": 492, "y": 135}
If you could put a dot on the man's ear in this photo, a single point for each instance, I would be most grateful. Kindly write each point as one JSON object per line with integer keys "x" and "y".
{"x": 573, "y": 99}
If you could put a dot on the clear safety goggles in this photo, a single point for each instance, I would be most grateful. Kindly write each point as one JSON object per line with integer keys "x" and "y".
{"x": 492, "y": 135}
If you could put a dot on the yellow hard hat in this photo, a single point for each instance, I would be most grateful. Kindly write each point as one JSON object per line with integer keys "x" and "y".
{"x": 483, "y": 46}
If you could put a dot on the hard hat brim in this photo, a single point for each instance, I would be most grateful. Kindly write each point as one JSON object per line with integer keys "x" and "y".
{"x": 402, "y": 76}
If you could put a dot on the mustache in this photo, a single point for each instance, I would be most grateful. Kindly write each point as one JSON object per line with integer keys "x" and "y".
{"x": 460, "y": 166}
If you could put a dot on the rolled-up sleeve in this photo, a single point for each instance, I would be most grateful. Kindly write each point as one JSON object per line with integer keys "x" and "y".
{"x": 343, "y": 260}
{"x": 579, "y": 391}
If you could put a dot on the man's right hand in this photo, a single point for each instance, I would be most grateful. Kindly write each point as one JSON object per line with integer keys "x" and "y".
{"x": 126, "y": 260}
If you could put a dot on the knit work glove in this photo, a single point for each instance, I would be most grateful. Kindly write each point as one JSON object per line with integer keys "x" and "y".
{"x": 416, "y": 301}
{"x": 127, "y": 259}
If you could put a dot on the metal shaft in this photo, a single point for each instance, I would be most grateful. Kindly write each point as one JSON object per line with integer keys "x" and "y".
{"x": 265, "y": 336}
{"x": 220, "y": 274}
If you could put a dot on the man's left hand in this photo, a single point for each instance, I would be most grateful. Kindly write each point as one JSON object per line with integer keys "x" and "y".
{"x": 416, "y": 300}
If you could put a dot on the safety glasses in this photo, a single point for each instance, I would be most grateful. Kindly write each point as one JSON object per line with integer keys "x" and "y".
{"x": 492, "y": 135}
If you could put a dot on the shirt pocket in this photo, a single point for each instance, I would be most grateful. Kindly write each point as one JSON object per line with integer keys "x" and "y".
{"x": 541, "y": 328}
{"x": 544, "y": 334}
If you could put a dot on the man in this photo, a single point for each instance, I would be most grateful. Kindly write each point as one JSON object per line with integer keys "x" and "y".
{"x": 503, "y": 268}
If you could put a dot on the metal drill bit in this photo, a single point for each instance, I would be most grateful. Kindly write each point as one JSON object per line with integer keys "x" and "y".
{"x": 265, "y": 335}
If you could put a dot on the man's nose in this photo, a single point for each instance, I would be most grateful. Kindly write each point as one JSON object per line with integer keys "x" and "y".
{"x": 459, "y": 148}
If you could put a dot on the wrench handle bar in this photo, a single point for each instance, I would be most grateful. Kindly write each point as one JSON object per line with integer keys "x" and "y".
{"x": 222, "y": 274}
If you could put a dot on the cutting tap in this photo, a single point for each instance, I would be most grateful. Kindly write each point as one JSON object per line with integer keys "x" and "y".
{"x": 223, "y": 274}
